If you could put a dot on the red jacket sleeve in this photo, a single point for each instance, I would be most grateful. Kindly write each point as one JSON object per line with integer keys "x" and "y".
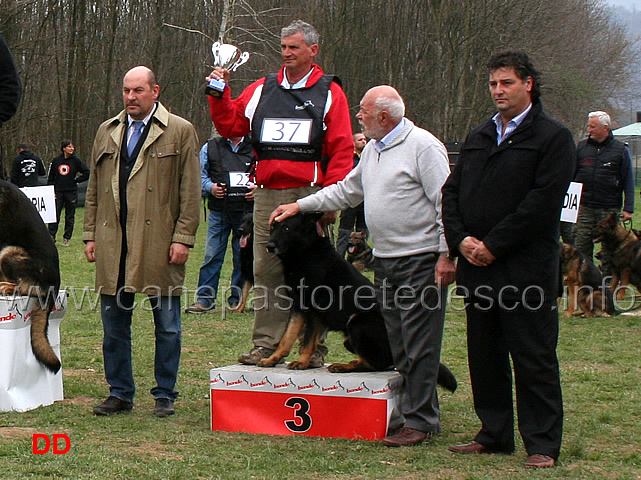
{"x": 338, "y": 143}
{"x": 229, "y": 115}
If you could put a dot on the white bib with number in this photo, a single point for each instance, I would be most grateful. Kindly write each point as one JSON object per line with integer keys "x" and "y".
{"x": 239, "y": 179}
{"x": 283, "y": 130}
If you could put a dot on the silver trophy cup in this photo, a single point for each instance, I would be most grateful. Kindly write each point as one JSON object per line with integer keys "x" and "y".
{"x": 225, "y": 56}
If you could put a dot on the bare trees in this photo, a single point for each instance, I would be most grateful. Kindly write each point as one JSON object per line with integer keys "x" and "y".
{"x": 73, "y": 53}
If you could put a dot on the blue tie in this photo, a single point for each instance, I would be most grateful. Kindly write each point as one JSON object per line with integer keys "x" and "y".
{"x": 135, "y": 136}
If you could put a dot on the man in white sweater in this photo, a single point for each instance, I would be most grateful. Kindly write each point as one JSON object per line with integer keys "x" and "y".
{"x": 399, "y": 177}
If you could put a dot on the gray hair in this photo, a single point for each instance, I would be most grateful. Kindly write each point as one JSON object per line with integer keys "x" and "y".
{"x": 393, "y": 104}
{"x": 604, "y": 118}
{"x": 310, "y": 35}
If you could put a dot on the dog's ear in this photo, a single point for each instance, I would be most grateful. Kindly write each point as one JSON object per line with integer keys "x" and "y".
{"x": 312, "y": 219}
{"x": 313, "y": 216}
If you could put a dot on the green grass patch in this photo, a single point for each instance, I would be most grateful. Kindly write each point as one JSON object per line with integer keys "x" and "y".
{"x": 600, "y": 371}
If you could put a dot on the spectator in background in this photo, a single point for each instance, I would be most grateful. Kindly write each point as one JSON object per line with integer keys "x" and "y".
{"x": 65, "y": 173}
{"x": 604, "y": 167}
{"x": 27, "y": 167}
{"x": 224, "y": 163}
{"x": 352, "y": 219}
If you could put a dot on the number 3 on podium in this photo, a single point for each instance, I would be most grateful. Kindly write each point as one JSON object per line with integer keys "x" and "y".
{"x": 303, "y": 420}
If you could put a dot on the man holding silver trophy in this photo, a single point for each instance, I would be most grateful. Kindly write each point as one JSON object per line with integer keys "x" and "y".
{"x": 301, "y": 131}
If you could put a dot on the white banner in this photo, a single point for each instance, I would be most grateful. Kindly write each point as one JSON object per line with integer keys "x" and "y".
{"x": 570, "y": 211}
{"x": 44, "y": 199}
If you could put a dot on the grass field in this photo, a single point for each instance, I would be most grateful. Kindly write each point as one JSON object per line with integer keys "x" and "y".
{"x": 601, "y": 373}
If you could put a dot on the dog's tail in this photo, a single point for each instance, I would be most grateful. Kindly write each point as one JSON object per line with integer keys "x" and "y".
{"x": 446, "y": 378}
{"x": 39, "y": 341}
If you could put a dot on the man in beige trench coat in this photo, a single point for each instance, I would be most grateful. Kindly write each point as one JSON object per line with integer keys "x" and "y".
{"x": 141, "y": 216}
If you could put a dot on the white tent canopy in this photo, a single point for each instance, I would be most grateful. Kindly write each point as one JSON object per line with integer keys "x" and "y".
{"x": 632, "y": 130}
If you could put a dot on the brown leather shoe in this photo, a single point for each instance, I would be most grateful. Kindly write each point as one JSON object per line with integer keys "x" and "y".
{"x": 472, "y": 447}
{"x": 406, "y": 437}
{"x": 539, "y": 461}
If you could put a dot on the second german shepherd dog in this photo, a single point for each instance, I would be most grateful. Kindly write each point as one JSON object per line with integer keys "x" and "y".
{"x": 29, "y": 265}
{"x": 622, "y": 250}
{"x": 325, "y": 291}
{"x": 586, "y": 288}
{"x": 246, "y": 259}
{"x": 359, "y": 253}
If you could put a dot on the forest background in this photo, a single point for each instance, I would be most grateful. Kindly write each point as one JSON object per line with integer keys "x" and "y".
{"x": 72, "y": 55}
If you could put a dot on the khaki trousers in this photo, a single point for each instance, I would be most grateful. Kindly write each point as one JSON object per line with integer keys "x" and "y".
{"x": 272, "y": 313}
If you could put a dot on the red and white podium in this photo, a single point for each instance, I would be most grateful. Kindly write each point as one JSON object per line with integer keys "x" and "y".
{"x": 24, "y": 383}
{"x": 313, "y": 402}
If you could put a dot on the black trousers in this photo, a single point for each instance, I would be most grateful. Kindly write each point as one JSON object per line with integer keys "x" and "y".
{"x": 68, "y": 201}
{"x": 529, "y": 336}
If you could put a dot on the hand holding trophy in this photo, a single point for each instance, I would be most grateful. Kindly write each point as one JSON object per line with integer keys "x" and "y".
{"x": 225, "y": 56}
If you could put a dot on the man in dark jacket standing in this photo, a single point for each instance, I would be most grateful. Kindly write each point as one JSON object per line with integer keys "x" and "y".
{"x": 27, "y": 166}
{"x": 604, "y": 167}
{"x": 224, "y": 170}
{"x": 65, "y": 173}
{"x": 501, "y": 211}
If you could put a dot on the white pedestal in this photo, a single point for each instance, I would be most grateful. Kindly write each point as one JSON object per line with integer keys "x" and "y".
{"x": 24, "y": 383}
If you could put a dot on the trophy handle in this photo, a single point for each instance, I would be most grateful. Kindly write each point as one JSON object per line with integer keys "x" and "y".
{"x": 242, "y": 59}
{"x": 215, "y": 49}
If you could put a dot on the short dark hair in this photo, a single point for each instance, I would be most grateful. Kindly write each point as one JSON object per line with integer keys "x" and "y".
{"x": 521, "y": 64}
{"x": 65, "y": 143}
{"x": 23, "y": 146}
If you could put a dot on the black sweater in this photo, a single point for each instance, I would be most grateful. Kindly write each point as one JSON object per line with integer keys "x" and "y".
{"x": 66, "y": 173}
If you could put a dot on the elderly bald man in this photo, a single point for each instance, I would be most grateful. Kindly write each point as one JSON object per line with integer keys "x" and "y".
{"x": 399, "y": 177}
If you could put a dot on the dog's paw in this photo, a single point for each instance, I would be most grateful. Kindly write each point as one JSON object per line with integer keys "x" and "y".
{"x": 7, "y": 288}
{"x": 268, "y": 362}
{"x": 298, "y": 365}
{"x": 337, "y": 368}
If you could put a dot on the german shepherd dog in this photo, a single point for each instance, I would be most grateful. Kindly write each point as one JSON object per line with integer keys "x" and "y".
{"x": 329, "y": 293}
{"x": 622, "y": 250}
{"x": 359, "y": 253}
{"x": 246, "y": 259}
{"x": 29, "y": 265}
{"x": 586, "y": 288}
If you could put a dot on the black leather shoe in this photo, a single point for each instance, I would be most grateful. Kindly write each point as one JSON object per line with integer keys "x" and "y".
{"x": 405, "y": 438}
{"x": 164, "y": 407}
{"x": 113, "y": 405}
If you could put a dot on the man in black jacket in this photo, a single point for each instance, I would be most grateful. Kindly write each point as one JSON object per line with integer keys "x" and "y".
{"x": 27, "y": 166}
{"x": 501, "y": 211}
{"x": 604, "y": 167}
{"x": 225, "y": 165}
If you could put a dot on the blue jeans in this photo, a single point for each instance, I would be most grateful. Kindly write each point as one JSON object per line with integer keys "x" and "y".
{"x": 116, "y": 313}
{"x": 218, "y": 231}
